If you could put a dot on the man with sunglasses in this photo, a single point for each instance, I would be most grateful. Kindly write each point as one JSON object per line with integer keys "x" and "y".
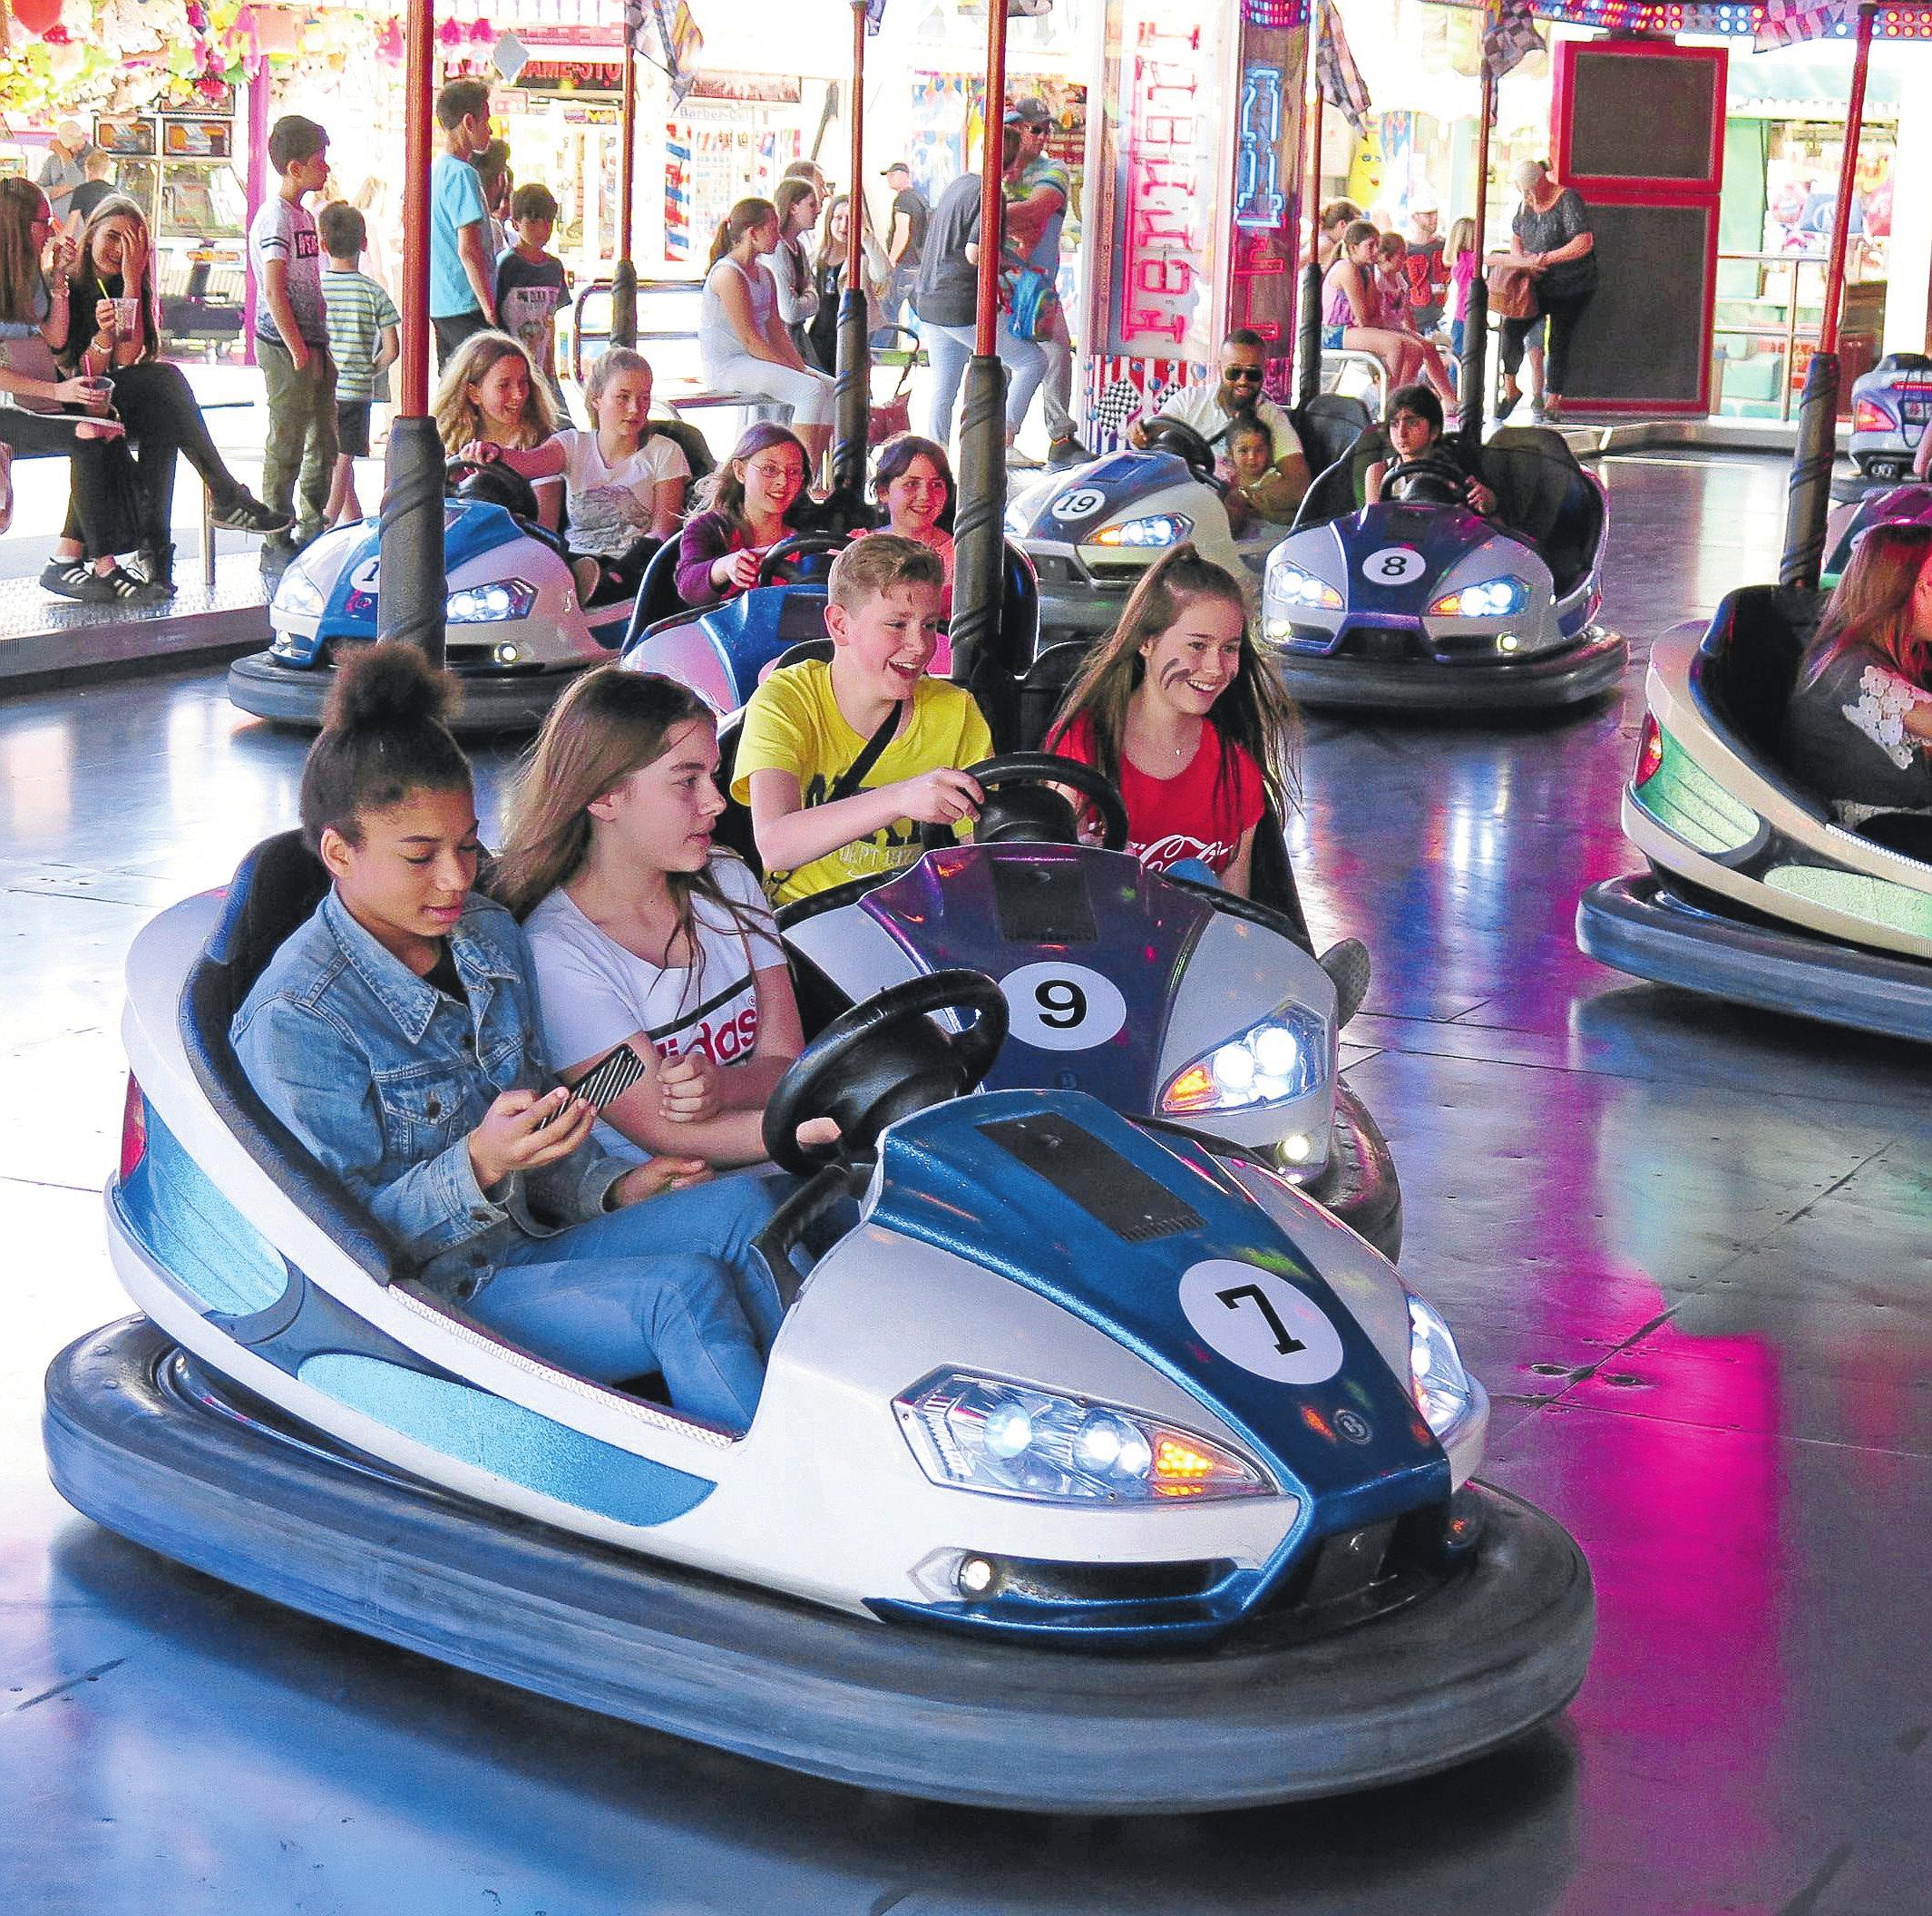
{"x": 1212, "y": 406}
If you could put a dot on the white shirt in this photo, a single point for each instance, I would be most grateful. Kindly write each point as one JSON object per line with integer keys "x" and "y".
{"x": 609, "y": 507}
{"x": 594, "y": 993}
{"x": 1199, "y": 405}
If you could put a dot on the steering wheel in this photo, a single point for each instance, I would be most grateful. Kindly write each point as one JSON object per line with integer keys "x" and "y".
{"x": 1022, "y": 808}
{"x": 1175, "y": 436}
{"x": 1435, "y": 477}
{"x": 493, "y": 485}
{"x": 883, "y": 1060}
{"x": 786, "y": 554}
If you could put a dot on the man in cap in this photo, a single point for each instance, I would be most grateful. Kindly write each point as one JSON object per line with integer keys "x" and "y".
{"x": 65, "y": 167}
{"x": 1038, "y": 191}
{"x": 1424, "y": 264}
{"x": 905, "y": 238}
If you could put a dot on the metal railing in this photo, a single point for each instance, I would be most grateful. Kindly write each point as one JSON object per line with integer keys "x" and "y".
{"x": 1786, "y": 332}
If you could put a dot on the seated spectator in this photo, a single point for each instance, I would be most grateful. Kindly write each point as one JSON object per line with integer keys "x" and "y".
{"x": 1336, "y": 218}
{"x": 1858, "y": 728}
{"x": 1211, "y": 407}
{"x": 624, "y": 484}
{"x": 822, "y": 335}
{"x": 754, "y": 501}
{"x": 644, "y": 931}
{"x": 841, "y": 762}
{"x": 1415, "y": 431}
{"x": 409, "y": 991}
{"x": 742, "y": 340}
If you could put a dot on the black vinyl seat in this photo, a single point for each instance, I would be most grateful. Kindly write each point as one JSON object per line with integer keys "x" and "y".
{"x": 1747, "y": 668}
{"x": 1328, "y": 426}
{"x": 1544, "y": 498}
{"x": 657, "y": 593}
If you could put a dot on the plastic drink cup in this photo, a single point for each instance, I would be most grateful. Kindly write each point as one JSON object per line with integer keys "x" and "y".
{"x": 127, "y": 319}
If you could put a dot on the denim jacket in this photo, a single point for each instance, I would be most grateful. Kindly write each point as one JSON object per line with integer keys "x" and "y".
{"x": 384, "y": 1078}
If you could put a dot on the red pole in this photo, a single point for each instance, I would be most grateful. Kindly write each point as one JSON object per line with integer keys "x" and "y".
{"x": 420, "y": 40}
{"x": 1311, "y": 91}
{"x": 992, "y": 190}
{"x": 1848, "y": 171}
{"x": 1482, "y": 167}
{"x": 856, "y": 199}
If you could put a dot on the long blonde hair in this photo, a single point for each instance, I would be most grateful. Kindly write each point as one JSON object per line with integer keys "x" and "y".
{"x": 1873, "y": 604}
{"x": 608, "y": 724}
{"x": 1255, "y": 713}
{"x": 744, "y": 218}
{"x": 459, "y": 419}
{"x": 1461, "y": 240}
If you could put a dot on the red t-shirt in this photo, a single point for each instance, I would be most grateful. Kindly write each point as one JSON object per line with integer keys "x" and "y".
{"x": 1202, "y": 812}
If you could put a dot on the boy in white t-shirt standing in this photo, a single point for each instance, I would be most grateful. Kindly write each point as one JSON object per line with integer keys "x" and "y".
{"x": 624, "y": 483}
{"x": 291, "y": 339}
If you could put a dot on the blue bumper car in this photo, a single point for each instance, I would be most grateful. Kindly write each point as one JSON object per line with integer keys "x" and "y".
{"x": 1419, "y": 604}
{"x": 1891, "y": 407}
{"x": 1096, "y": 1468}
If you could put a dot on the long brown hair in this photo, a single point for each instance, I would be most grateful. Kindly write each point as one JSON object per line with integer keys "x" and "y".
{"x": 21, "y": 279}
{"x": 608, "y": 724}
{"x": 90, "y": 286}
{"x": 744, "y": 218}
{"x": 1255, "y": 713}
{"x": 724, "y": 491}
{"x": 459, "y": 419}
{"x": 1872, "y": 604}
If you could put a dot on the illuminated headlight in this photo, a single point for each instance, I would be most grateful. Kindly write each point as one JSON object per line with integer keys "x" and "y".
{"x": 983, "y": 1434}
{"x": 489, "y": 604}
{"x": 1493, "y": 599}
{"x": 1436, "y": 1376}
{"x": 298, "y": 595}
{"x": 1283, "y": 1056}
{"x": 1291, "y": 585}
{"x": 1157, "y": 530}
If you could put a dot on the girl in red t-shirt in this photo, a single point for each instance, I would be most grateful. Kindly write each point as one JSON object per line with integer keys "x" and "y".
{"x": 1179, "y": 709}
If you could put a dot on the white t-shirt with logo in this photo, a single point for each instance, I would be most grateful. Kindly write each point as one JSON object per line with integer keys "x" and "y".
{"x": 595, "y": 994}
{"x": 609, "y": 507}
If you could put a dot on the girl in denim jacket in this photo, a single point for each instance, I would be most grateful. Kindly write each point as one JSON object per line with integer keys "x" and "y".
{"x": 395, "y": 1035}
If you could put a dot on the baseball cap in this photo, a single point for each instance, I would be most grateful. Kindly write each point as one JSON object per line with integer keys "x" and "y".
{"x": 1028, "y": 113}
{"x": 898, "y": 166}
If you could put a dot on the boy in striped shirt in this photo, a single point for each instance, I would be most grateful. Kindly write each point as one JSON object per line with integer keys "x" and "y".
{"x": 364, "y": 338}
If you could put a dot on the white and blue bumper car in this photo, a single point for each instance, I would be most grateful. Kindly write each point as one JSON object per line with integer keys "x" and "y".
{"x": 515, "y": 632}
{"x": 1891, "y": 409}
{"x": 1092, "y": 529}
{"x": 1755, "y": 893}
{"x": 1095, "y": 1471}
{"x": 1420, "y": 604}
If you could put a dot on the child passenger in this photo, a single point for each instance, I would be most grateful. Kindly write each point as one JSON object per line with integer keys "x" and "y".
{"x": 489, "y": 394}
{"x": 643, "y": 931}
{"x": 1259, "y": 492}
{"x": 395, "y": 1035}
{"x": 1179, "y": 711}
{"x": 1415, "y": 429}
{"x": 757, "y": 498}
{"x": 913, "y": 480}
{"x": 871, "y": 711}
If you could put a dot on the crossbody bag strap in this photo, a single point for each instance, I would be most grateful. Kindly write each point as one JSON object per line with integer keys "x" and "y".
{"x": 854, "y": 776}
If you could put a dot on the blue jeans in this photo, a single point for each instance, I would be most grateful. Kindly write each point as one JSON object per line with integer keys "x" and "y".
{"x": 670, "y": 1285}
{"x": 948, "y": 349}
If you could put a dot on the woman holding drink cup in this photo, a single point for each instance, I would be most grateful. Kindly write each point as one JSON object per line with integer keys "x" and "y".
{"x": 114, "y": 336}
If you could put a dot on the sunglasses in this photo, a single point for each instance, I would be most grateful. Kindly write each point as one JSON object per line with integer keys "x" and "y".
{"x": 1242, "y": 375}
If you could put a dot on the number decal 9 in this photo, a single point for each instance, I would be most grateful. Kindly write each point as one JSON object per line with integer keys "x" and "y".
{"x": 1055, "y": 1006}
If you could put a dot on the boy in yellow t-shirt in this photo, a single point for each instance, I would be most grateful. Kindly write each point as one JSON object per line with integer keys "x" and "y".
{"x": 806, "y": 726}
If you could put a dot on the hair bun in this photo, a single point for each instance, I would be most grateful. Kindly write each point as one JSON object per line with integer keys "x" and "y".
{"x": 389, "y": 688}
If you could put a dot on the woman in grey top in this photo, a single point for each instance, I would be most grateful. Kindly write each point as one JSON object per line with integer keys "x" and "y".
{"x": 1551, "y": 240}
{"x": 1859, "y": 724}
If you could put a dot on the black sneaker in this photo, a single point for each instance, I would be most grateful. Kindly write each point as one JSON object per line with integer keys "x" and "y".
{"x": 73, "y": 579}
{"x": 155, "y": 564}
{"x": 1067, "y": 452}
{"x": 123, "y": 587}
{"x": 246, "y": 514}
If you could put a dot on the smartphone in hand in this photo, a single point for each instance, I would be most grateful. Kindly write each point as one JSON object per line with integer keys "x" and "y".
{"x": 609, "y": 1078}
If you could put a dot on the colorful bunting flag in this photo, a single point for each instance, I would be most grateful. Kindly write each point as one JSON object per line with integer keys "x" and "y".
{"x": 1508, "y": 36}
{"x": 1787, "y": 21}
{"x": 1336, "y": 72}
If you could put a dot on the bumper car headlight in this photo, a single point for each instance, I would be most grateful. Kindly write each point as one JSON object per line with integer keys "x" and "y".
{"x": 489, "y": 604}
{"x": 983, "y": 1434}
{"x": 1289, "y": 586}
{"x": 298, "y": 595}
{"x": 1439, "y": 1383}
{"x": 1157, "y": 530}
{"x": 1283, "y": 1056}
{"x": 1493, "y": 599}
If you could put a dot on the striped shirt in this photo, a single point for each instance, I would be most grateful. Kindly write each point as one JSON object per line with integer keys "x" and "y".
{"x": 359, "y": 311}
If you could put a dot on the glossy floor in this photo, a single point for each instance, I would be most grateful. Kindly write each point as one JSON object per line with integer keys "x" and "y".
{"x": 1685, "y": 1246}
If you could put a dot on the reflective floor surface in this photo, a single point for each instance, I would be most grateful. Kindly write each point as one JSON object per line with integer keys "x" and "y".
{"x": 1685, "y": 1246}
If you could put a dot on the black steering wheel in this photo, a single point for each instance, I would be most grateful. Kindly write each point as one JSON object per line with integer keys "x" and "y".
{"x": 1434, "y": 479}
{"x": 493, "y": 483}
{"x": 785, "y": 555}
{"x": 1022, "y": 808}
{"x": 1177, "y": 436}
{"x": 883, "y": 1060}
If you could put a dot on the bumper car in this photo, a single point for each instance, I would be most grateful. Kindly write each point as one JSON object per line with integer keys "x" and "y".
{"x": 1095, "y": 1471}
{"x": 1418, "y": 604}
{"x": 1892, "y": 407}
{"x": 1092, "y": 529}
{"x": 1909, "y": 505}
{"x": 1173, "y": 1002}
{"x": 1754, "y": 894}
{"x": 514, "y": 632}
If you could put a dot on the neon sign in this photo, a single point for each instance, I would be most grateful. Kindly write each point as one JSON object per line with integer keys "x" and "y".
{"x": 1161, "y": 281}
{"x": 1259, "y": 201}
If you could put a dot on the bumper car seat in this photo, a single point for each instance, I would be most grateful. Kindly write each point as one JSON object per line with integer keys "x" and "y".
{"x": 1339, "y": 487}
{"x": 1745, "y": 672}
{"x": 657, "y": 593}
{"x": 1903, "y": 363}
{"x": 1328, "y": 426}
{"x": 1543, "y": 497}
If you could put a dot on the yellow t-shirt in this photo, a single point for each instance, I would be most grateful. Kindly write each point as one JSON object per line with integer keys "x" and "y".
{"x": 792, "y": 724}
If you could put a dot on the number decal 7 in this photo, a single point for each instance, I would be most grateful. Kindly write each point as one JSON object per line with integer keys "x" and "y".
{"x": 1285, "y": 1342}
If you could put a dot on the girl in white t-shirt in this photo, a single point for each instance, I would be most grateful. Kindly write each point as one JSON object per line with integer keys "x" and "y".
{"x": 624, "y": 483}
{"x": 641, "y": 931}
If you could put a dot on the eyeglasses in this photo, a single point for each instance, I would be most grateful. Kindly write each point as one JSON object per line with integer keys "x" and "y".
{"x": 1242, "y": 375}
